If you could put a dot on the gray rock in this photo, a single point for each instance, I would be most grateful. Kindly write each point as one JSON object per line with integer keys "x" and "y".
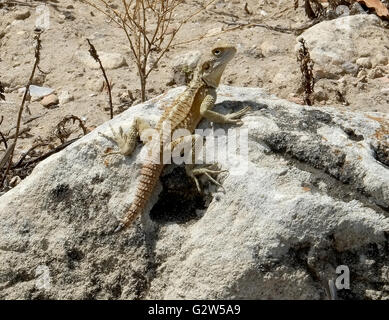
{"x": 356, "y": 8}
{"x": 315, "y": 195}
{"x": 350, "y": 68}
{"x": 109, "y": 60}
{"x": 334, "y": 43}
{"x": 342, "y": 11}
{"x": 95, "y": 84}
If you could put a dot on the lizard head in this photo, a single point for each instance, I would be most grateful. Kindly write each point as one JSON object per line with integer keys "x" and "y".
{"x": 212, "y": 65}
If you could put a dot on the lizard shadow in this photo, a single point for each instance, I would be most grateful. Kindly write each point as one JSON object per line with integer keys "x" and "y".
{"x": 228, "y": 106}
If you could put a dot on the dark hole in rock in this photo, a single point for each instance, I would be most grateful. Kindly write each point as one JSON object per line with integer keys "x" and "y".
{"x": 74, "y": 255}
{"x": 179, "y": 199}
{"x": 381, "y": 152}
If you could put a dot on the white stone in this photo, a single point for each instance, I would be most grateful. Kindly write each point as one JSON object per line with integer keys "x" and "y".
{"x": 39, "y": 92}
{"x": 65, "y": 97}
{"x": 364, "y": 62}
{"x": 108, "y": 60}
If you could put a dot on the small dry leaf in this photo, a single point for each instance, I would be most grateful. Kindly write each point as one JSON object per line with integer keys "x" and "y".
{"x": 378, "y": 6}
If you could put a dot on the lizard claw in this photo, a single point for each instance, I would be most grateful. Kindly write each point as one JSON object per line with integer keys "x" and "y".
{"x": 119, "y": 228}
{"x": 235, "y": 117}
{"x": 207, "y": 172}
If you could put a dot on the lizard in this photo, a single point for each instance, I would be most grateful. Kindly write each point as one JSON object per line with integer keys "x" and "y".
{"x": 186, "y": 111}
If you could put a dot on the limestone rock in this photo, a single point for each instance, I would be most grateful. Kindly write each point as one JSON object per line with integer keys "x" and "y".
{"x": 340, "y": 42}
{"x": 312, "y": 194}
{"x": 109, "y": 60}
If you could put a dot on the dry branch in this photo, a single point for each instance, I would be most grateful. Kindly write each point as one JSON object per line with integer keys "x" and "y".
{"x": 93, "y": 53}
{"x": 295, "y": 31}
{"x": 63, "y": 133}
{"x": 44, "y": 156}
{"x": 21, "y": 108}
{"x": 146, "y": 40}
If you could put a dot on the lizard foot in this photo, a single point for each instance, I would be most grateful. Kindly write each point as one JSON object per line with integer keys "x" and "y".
{"x": 125, "y": 141}
{"x": 199, "y": 171}
{"x": 119, "y": 228}
{"x": 235, "y": 117}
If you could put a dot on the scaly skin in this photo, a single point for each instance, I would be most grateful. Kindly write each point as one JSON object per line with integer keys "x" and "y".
{"x": 185, "y": 112}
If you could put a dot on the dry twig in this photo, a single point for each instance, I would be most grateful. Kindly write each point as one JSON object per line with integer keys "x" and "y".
{"x": 21, "y": 108}
{"x": 63, "y": 133}
{"x": 44, "y": 156}
{"x": 2, "y": 136}
{"x": 93, "y": 53}
{"x": 2, "y": 96}
{"x": 306, "y": 67}
{"x": 295, "y": 31}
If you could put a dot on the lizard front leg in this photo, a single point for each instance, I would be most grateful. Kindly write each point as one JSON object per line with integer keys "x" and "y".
{"x": 206, "y": 110}
{"x": 127, "y": 141}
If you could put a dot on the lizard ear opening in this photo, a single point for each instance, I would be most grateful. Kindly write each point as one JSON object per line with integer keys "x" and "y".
{"x": 206, "y": 66}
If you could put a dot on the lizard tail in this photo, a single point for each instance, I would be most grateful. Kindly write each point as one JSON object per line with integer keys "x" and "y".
{"x": 149, "y": 176}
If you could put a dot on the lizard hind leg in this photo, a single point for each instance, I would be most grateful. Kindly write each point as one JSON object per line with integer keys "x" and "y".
{"x": 207, "y": 171}
{"x": 127, "y": 141}
{"x": 193, "y": 143}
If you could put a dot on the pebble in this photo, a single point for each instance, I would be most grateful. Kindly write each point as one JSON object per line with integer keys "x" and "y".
{"x": 49, "y": 100}
{"x": 375, "y": 73}
{"x": 350, "y": 68}
{"x": 65, "y": 97}
{"x": 380, "y": 59}
{"x": 95, "y": 84}
{"x": 385, "y": 91}
{"x": 269, "y": 48}
{"x": 364, "y": 62}
{"x": 21, "y": 14}
{"x": 109, "y": 60}
{"x": 15, "y": 181}
{"x": 356, "y": 8}
{"x": 39, "y": 92}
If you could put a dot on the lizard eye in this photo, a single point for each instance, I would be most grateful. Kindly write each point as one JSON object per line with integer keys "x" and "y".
{"x": 217, "y": 52}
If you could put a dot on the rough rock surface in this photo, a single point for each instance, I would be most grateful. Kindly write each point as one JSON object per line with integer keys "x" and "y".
{"x": 315, "y": 196}
{"x": 336, "y": 45}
